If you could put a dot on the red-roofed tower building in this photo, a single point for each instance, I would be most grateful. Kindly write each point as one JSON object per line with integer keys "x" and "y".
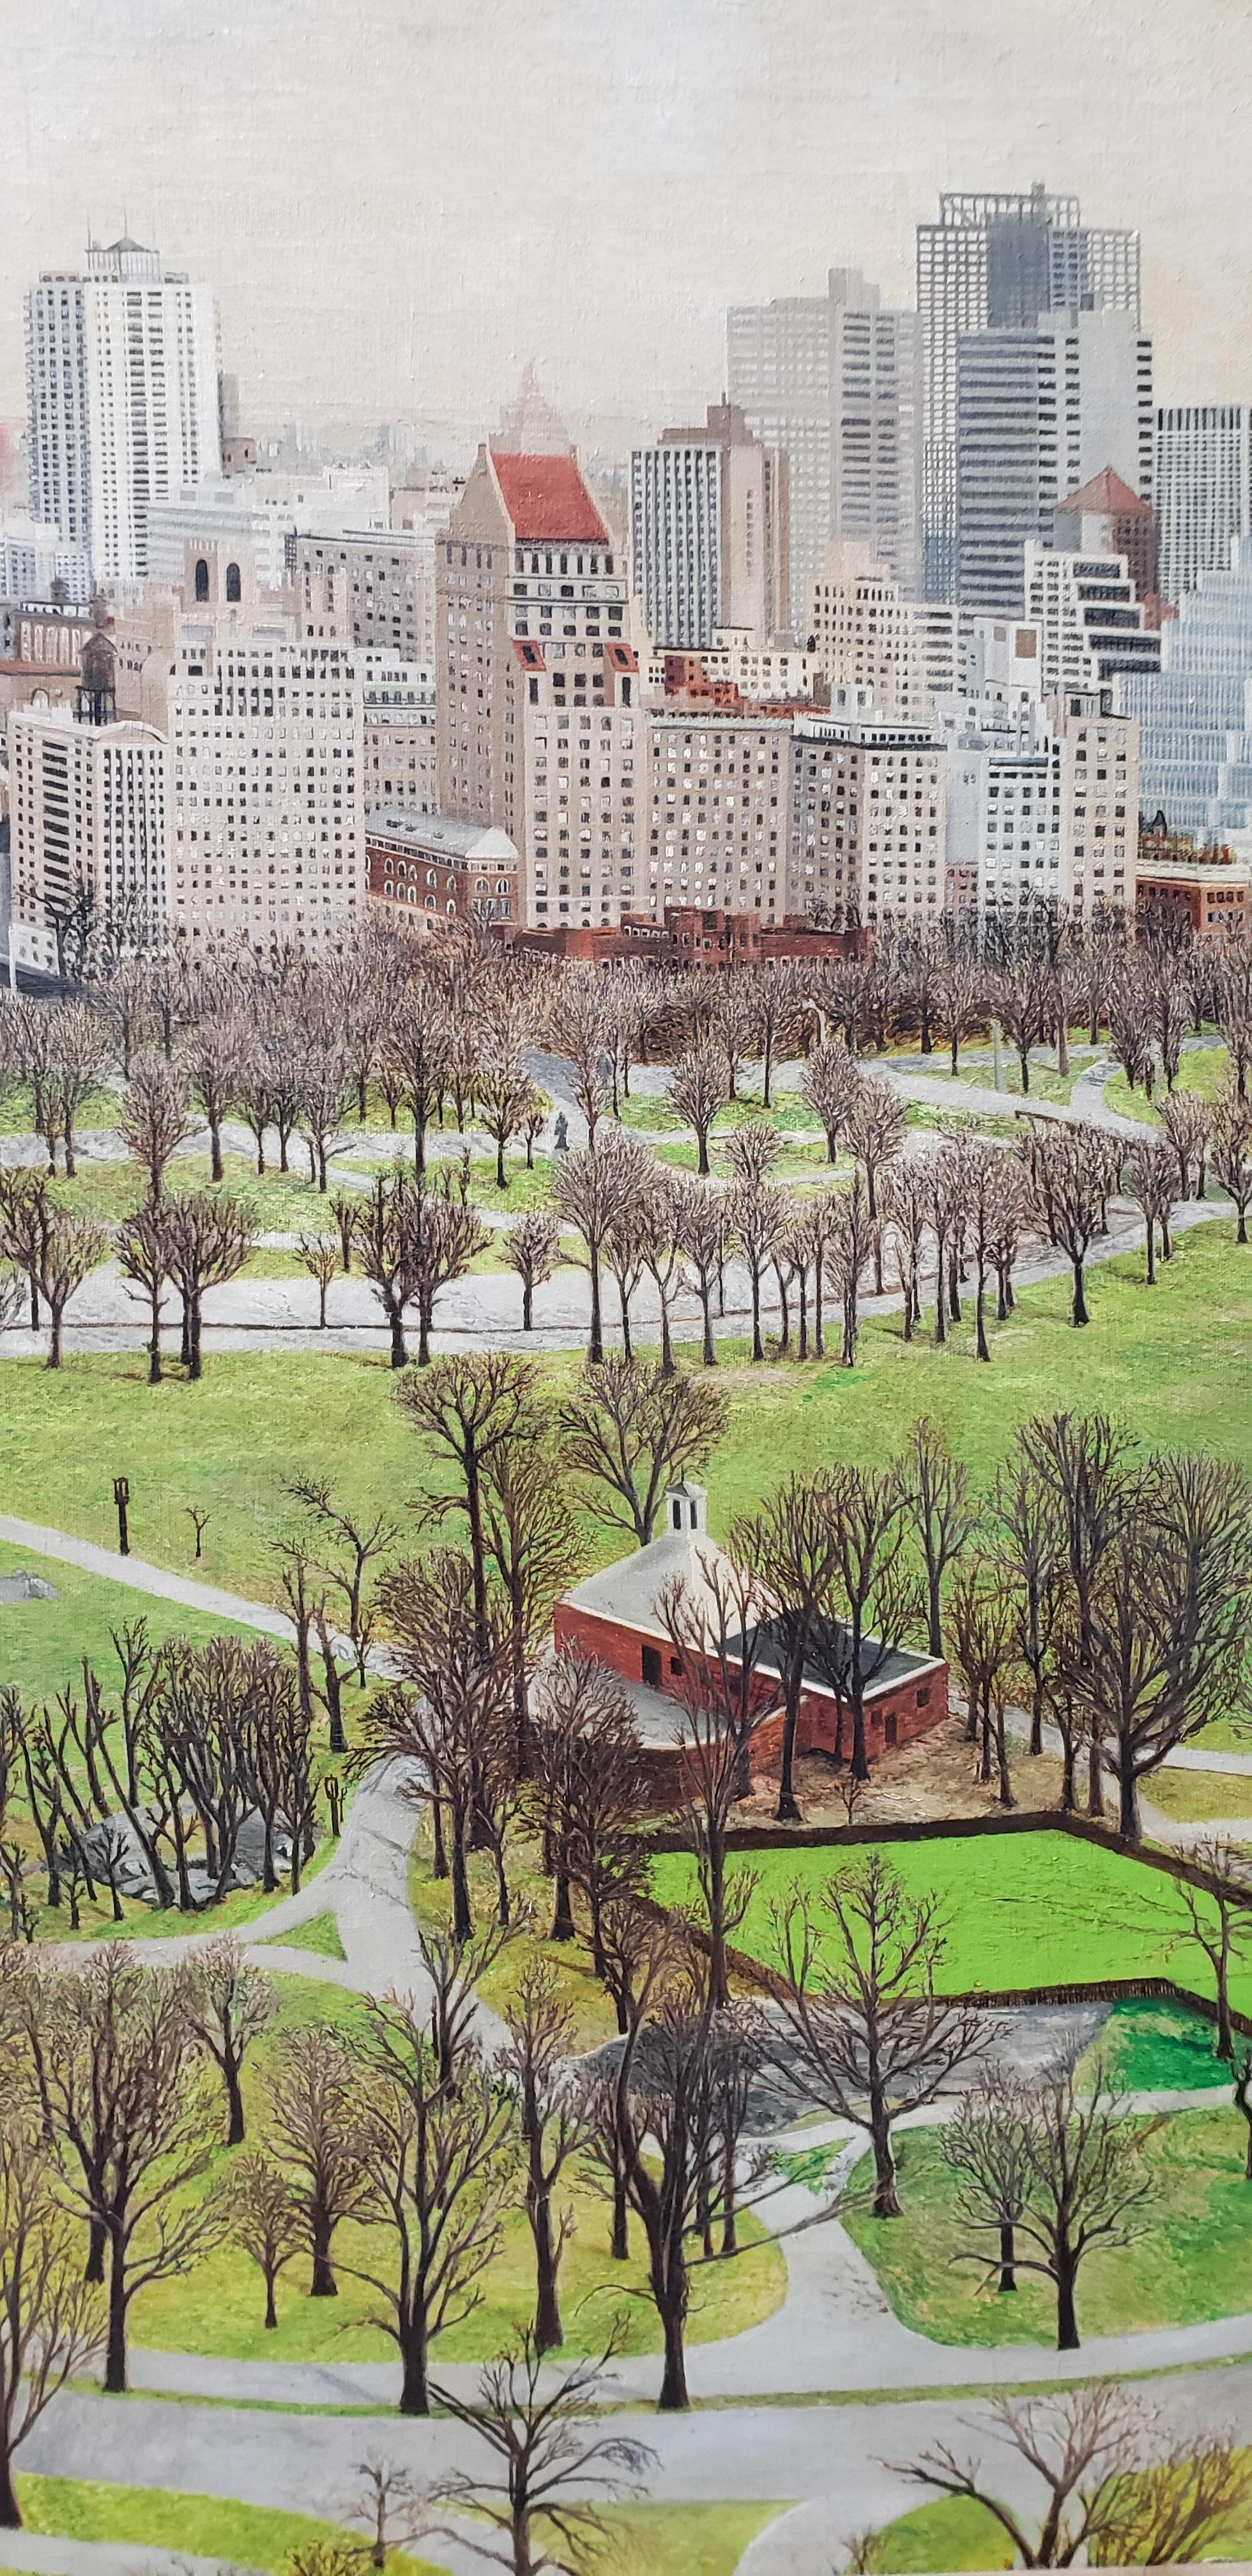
{"x": 539, "y": 726}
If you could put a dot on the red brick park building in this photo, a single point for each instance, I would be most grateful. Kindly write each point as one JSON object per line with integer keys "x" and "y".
{"x": 613, "y": 1617}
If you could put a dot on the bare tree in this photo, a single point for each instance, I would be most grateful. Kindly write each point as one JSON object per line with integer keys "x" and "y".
{"x": 962, "y": 1004}
{"x": 212, "y": 1058}
{"x": 1218, "y": 1922}
{"x": 125, "y": 2085}
{"x": 592, "y": 1192}
{"x": 532, "y": 1248}
{"x": 698, "y": 1093}
{"x": 591, "y": 1791}
{"x": 552, "y": 2122}
{"x": 450, "y": 1722}
{"x": 227, "y": 2003}
{"x": 70, "y": 1248}
{"x": 1152, "y": 1179}
{"x": 154, "y": 1121}
{"x": 578, "y": 1029}
{"x": 720, "y": 1639}
{"x": 551, "y": 2464}
{"x": 1231, "y": 1145}
{"x": 144, "y": 1250}
{"x": 875, "y": 1131}
{"x": 701, "y": 1238}
{"x": 944, "y": 1515}
{"x": 506, "y": 1097}
{"x": 855, "y": 1239}
{"x": 532, "y": 1550}
{"x": 315, "y": 2132}
{"x": 758, "y": 1213}
{"x": 1186, "y": 1127}
{"x": 319, "y": 1255}
{"x": 1117, "y": 2493}
{"x": 631, "y": 1430}
{"x": 984, "y": 1641}
{"x": 1086, "y": 2188}
{"x": 359, "y": 1542}
{"x": 790, "y": 1544}
{"x": 265, "y": 2220}
{"x": 830, "y": 1084}
{"x": 985, "y": 2146}
{"x": 469, "y": 1407}
{"x": 437, "y": 2164}
{"x": 860, "y": 2021}
{"x": 211, "y": 1236}
{"x": 1068, "y": 1198}
{"x": 51, "y": 2326}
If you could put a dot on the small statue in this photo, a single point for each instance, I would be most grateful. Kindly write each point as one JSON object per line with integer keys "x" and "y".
{"x": 560, "y": 1134}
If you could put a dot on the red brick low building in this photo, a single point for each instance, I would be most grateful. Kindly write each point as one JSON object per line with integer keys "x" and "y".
{"x": 614, "y": 1618}
{"x": 708, "y": 942}
{"x": 427, "y": 870}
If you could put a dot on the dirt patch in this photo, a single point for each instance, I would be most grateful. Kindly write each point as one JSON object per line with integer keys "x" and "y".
{"x": 933, "y": 1777}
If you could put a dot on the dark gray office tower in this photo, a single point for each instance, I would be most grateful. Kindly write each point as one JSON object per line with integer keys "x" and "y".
{"x": 996, "y": 262}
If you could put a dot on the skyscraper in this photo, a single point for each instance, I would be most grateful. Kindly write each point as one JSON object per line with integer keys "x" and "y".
{"x": 997, "y": 261}
{"x": 834, "y": 381}
{"x": 121, "y": 376}
{"x": 1041, "y": 409}
{"x": 1203, "y": 488}
{"x": 709, "y": 532}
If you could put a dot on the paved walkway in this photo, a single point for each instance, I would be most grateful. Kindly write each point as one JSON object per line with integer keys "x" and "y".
{"x": 46, "y": 2556}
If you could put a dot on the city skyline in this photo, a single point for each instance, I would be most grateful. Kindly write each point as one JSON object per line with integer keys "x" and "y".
{"x": 397, "y": 222}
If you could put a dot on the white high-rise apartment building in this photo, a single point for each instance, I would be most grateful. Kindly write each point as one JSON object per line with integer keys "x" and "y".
{"x": 401, "y": 761}
{"x": 868, "y": 635}
{"x": 121, "y": 375}
{"x": 996, "y": 261}
{"x": 868, "y": 815}
{"x": 834, "y": 381}
{"x": 267, "y": 787}
{"x": 719, "y": 783}
{"x": 1203, "y": 488}
{"x": 1043, "y": 796}
{"x": 87, "y": 819}
{"x": 709, "y": 532}
{"x": 1040, "y": 411}
{"x": 1090, "y": 622}
{"x": 538, "y": 718}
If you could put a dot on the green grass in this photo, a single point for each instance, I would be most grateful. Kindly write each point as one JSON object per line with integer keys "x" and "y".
{"x": 1204, "y": 1070}
{"x": 593, "y": 2016}
{"x": 948, "y": 2535}
{"x": 1177, "y": 1360}
{"x": 43, "y": 1644}
{"x": 322, "y": 1935}
{"x": 1022, "y": 1910}
{"x": 1155, "y": 2047}
{"x": 1190, "y": 1797}
{"x": 280, "y": 1201}
{"x": 99, "y": 1109}
{"x": 677, "y": 2539}
{"x": 1193, "y": 2261}
{"x": 250, "y": 2535}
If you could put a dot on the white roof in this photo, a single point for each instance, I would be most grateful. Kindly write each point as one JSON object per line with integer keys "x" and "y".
{"x": 629, "y": 1590}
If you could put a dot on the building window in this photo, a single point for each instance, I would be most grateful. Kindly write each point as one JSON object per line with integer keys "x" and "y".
{"x": 234, "y": 586}
{"x": 202, "y": 578}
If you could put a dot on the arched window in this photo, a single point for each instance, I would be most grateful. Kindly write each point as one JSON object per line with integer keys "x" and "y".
{"x": 234, "y": 586}
{"x": 202, "y": 578}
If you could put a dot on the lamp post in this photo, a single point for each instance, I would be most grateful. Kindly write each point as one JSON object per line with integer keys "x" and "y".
{"x": 121, "y": 1496}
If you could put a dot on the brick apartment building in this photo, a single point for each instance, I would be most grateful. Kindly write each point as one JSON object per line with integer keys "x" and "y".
{"x": 708, "y": 942}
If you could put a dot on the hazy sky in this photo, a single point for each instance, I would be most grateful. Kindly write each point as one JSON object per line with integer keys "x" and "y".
{"x": 400, "y": 202}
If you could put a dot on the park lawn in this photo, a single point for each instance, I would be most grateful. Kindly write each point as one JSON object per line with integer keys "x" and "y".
{"x": 99, "y": 1109}
{"x": 218, "y": 2308}
{"x": 1192, "y": 2262}
{"x": 1175, "y": 1360}
{"x": 1191, "y": 1797}
{"x": 249, "y": 2535}
{"x": 941, "y": 2538}
{"x": 322, "y": 1935}
{"x": 1154, "y": 2046}
{"x": 1021, "y": 1910}
{"x": 1204, "y": 1070}
{"x": 676, "y": 2539}
{"x": 280, "y": 1201}
{"x": 594, "y": 2019}
{"x": 43, "y": 1644}
{"x": 524, "y": 1189}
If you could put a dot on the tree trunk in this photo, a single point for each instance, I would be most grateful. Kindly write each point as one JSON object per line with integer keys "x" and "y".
{"x": 234, "y": 2097}
{"x": 709, "y": 1353}
{"x": 787, "y": 1811}
{"x": 10, "y": 2510}
{"x": 563, "y": 1924}
{"x": 115, "y": 2348}
{"x": 702, "y": 1140}
{"x": 886, "y": 2197}
{"x": 673, "y": 2398}
{"x": 399, "y": 1355}
{"x": 323, "y": 2284}
{"x": 981, "y": 1350}
{"x": 271, "y": 2312}
{"x": 1067, "y": 2338}
{"x": 414, "y": 2385}
{"x": 462, "y": 1910}
{"x": 1128, "y": 1807}
{"x": 1080, "y": 1315}
{"x": 1008, "y": 2276}
{"x": 595, "y": 1337}
{"x": 548, "y": 2329}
